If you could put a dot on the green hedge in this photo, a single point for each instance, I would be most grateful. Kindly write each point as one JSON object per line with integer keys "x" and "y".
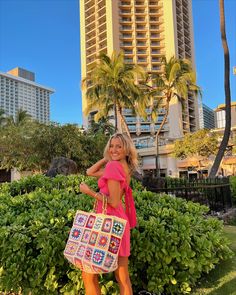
{"x": 173, "y": 245}
{"x": 233, "y": 188}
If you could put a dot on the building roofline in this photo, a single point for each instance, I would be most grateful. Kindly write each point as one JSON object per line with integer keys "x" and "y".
{"x": 222, "y": 106}
{"x": 51, "y": 90}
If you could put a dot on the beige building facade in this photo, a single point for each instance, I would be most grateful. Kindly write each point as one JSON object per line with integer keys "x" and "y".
{"x": 145, "y": 30}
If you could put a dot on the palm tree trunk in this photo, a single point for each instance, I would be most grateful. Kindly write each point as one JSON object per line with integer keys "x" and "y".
{"x": 157, "y": 135}
{"x": 116, "y": 119}
{"x": 123, "y": 122}
{"x": 225, "y": 139}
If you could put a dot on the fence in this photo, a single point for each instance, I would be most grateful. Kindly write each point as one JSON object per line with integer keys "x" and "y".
{"x": 215, "y": 193}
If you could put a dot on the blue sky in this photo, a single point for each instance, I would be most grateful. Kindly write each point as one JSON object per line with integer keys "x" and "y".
{"x": 43, "y": 36}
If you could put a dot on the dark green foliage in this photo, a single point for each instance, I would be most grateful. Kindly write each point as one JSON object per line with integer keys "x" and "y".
{"x": 33, "y": 146}
{"x": 174, "y": 243}
{"x": 233, "y": 188}
{"x": 171, "y": 248}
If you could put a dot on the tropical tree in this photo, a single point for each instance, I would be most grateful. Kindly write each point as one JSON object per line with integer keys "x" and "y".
{"x": 102, "y": 125}
{"x": 114, "y": 86}
{"x": 226, "y": 136}
{"x": 33, "y": 146}
{"x": 201, "y": 145}
{"x": 21, "y": 118}
{"x": 176, "y": 80}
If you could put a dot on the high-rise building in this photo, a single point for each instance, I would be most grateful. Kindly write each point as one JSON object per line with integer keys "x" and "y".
{"x": 145, "y": 30}
{"x": 220, "y": 115}
{"x": 18, "y": 91}
{"x": 206, "y": 117}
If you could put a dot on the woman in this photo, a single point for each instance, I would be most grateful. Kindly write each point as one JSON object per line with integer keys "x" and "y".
{"x": 120, "y": 160}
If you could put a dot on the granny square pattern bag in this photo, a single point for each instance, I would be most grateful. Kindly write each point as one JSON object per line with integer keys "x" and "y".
{"x": 94, "y": 241}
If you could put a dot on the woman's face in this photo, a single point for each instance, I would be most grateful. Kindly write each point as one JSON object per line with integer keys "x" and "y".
{"x": 116, "y": 150}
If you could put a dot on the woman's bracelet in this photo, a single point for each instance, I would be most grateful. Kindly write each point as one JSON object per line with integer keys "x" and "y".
{"x": 95, "y": 196}
{"x": 101, "y": 194}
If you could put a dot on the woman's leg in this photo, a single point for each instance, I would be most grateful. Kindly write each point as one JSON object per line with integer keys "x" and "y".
{"x": 91, "y": 283}
{"x": 122, "y": 276}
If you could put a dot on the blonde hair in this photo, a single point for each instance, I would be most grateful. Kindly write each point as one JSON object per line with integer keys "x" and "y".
{"x": 130, "y": 150}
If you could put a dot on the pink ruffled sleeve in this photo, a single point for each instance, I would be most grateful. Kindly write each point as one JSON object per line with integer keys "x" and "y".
{"x": 113, "y": 171}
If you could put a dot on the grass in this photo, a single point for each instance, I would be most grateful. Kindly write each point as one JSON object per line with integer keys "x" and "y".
{"x": 221, "y": 280}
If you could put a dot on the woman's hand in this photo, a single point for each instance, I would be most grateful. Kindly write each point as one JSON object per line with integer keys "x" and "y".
{"x": 84, "y": 188}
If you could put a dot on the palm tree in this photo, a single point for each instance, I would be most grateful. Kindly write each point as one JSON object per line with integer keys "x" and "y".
{"x": 226, "y": 136}
{"x": 103, "y": 125}
{"x": 21, "y": 118}
{"x": 176, "y": 80}
{"x": 114, "y": 87}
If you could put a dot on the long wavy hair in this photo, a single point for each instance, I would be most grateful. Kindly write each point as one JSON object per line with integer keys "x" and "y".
{"x": 130, "y": 150}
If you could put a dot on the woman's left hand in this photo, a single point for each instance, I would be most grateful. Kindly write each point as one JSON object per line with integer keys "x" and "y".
{"x": 84, "y": 188}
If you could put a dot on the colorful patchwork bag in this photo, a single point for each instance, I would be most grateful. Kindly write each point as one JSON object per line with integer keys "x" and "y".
{"x": 94, "y": 241}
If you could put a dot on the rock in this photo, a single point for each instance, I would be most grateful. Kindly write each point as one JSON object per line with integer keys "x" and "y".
{"x": 62, "y": 165}
{"x": 228, "y": 216}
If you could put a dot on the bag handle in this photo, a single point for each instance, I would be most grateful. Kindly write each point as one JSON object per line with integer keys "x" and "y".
{"x": 104, "y": 204}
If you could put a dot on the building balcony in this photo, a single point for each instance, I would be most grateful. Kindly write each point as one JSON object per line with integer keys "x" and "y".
{"x": 131, "y": 120}
{"x": 140, "y": 12}
{"x": 141, "y": 52}
{"x": 132, "y": 128}
{"x": 125, "y": 20}
{"x": 126, "y": 44}
{"x": 141, "y": 36}
{"x": 156, "y": 59}
{"x": 140, "y": 19}
{"x": 126, "y": 36}
{"x": 141, "y": 60}
{"x": 126, "y": 28}
{"x": 125, "y": 13}
{"x": 124, "y": 4}
{"x": 156, "y": 52}
{"x": 128, "y": 60}
{"x": 157, "y": 44}
{"x": 128, "y": 52}
{"x": 140, "y": 4}
{"x": 141, "y": 44}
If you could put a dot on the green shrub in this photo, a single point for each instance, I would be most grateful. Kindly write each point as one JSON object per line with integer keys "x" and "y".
{"x": 173, "y": 245}
{"x": 233, "y": 188}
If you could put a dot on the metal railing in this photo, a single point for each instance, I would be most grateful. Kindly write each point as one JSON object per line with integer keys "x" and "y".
{"x": 215, "y": 193}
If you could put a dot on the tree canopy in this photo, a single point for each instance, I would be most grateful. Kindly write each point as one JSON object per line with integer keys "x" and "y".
{"x": 32, "y": 146}
{"x": 113, "y": 85}
{"x": 201, "y": 143}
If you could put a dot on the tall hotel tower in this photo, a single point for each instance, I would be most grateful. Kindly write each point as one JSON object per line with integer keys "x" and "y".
{"x": 145, "y": 30}
{"x": 18, "y": 91}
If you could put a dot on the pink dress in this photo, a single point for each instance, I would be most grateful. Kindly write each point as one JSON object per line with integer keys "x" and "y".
{"x": 114, "y": 170}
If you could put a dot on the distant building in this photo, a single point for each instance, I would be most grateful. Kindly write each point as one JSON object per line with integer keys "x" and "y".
{"x": 206, "y": 117}
{"x": 18, "y": 91}
{"x": 220, "y": 115}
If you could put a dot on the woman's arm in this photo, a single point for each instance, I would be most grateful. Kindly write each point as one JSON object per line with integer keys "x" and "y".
{"x": 97, "y": 169}
{"x": 114, "y": 192}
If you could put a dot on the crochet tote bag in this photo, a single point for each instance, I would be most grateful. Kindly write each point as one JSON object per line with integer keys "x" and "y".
{"x": 94, "y": 241}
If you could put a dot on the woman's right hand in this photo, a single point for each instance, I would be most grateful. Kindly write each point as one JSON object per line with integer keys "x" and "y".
{"x": 84, "y": 188}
